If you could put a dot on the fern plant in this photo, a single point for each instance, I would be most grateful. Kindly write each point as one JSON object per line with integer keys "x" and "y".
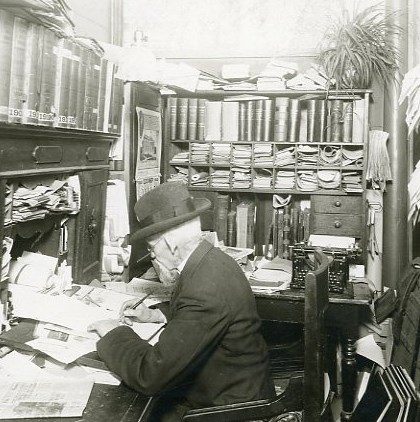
{"x": 355, "y": 49}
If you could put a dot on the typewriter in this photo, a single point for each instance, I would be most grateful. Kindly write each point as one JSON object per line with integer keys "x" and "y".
{"x": 338, "y": 272}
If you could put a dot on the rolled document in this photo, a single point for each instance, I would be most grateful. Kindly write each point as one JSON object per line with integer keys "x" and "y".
{"x": 199, "y": 176}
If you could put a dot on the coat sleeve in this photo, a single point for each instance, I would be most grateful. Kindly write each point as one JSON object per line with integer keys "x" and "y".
{"x": 198, "y": 324}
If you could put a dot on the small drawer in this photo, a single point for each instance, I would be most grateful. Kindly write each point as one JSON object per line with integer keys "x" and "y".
{"x": 337, "y": 224}
{"x": 336, "y": 204}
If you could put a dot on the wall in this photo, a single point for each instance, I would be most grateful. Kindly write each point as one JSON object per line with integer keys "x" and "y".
{"x": 245, "y": 30}
{"x": 92, "y": 18}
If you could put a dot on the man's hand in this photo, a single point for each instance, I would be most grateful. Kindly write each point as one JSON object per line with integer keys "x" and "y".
{"x": 141, "y": 314}
{"x": 104, "y": 326}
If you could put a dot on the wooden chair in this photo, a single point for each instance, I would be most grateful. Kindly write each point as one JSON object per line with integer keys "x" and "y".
{"x": 311, "y": 387}
{"x": 303, "y": 392}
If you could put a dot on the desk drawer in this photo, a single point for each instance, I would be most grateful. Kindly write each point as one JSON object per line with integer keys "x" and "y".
{"x": 337, "y": 224}
{"x": 336, "y": 204}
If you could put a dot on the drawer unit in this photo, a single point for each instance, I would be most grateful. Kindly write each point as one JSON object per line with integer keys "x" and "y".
{"x": 337, "y": 216}
{"x": 52, "y": 150}
{"x": 336, "y": 204}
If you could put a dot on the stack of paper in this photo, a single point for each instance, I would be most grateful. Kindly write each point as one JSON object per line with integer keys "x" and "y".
{"x": 200, "y": 153}
{"x": 307, "y": 180}
{"x": 263, "y": 179}
{"x": 285, "y": 180}
{"x": 220, "y": 153}
{"x": 330, "y": 156}
{"x": 285, "y": 157}
{"x": 263, "y": 155}
{"x": 272, "y": 275}
{"x": 220, "y": 178}
{"x": 352, "y": 157}
{"x": 307, "y": 155}
{"x": 181, "y": 158}
{"x": 329, "y": 179}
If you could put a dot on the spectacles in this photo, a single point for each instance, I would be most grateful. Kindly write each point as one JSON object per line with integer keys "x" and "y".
{"x": 150, "y": 251}
{"x": 151, "y": 248}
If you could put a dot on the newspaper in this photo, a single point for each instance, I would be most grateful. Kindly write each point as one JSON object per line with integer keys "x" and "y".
{"x": 24, "y": 399}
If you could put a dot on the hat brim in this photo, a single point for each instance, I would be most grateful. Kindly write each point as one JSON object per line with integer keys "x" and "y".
{"x": 200, "y": 205}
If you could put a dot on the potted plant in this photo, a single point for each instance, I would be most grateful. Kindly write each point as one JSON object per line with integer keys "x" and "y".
{"x": 355, "y": 49}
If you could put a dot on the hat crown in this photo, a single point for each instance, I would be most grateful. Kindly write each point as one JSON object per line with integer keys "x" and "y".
{"x": 164, "y": 196}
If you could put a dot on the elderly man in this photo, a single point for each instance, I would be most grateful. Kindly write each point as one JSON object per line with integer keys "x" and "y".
{"x": 211, "y": 345}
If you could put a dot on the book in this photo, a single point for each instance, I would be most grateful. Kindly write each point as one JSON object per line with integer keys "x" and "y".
{"x": 375, "y": 402}
{"x": 221, "y": 208}
{"x": 32, "y": 75}
{"x": 258, "y": 118}
{"x": 91, "y": 92}
{"x": 245, "y": 215}
{"x": 94, "y": 92}
{"x": 336, "y": 120}
{"x": 230, "y": 121}
{"x": 316, "y": 120}
{"x": 201, "y": 118}
{"x": 81, "y": 88}
{"x": 293, "y": 120}
{"x": 17, "y": 94}
{"x": 274, "y": 233}
{"x": 172, "y": 111}
{"x": 48, "y": 72}
{"x": 281, "y": 119}
{"x": 105, "y": 87}
{"x": 74, "y": 84}
{"x": 6, "y": 41}
{"x": 358, "y": 121}
{"x": 242, "y": 121}
{"x": 280, "y": 231}
{"x": 110, "y": 69}
{"x": 231, "y": 228}
{"x": 192, "y": 119}
{"x": 348, "y": 121}
{"x": 249, "y": 121}
{"x": 294, "y": 224}
{"x": 287, "y": 217}
{"x": 267, "y": 119}
{"x": 61, "y": 101}
{"x": 213, "y": 127}
{"x": 182, "y": 118}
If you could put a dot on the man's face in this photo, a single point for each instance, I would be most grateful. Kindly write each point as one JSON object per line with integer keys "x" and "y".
{"x": 166, "y": 276}
{"x": 163, "y": 260}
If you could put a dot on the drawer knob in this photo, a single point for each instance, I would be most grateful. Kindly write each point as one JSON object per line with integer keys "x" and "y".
{"x": 337, "y": 204}
{"x": 337, "y": 224}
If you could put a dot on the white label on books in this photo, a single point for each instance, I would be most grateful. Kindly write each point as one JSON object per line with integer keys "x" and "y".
{"x": 15, "y": 112}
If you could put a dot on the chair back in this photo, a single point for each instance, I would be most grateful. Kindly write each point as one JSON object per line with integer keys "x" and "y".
{"x": 316, "y": 302}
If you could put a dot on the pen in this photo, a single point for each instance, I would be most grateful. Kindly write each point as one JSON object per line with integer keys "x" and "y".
{"x": 156, "y": 332}
{"x": 135, "y": 305}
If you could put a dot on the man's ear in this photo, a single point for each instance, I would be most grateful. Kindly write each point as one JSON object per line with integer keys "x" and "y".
{"x": 171, "y": 243}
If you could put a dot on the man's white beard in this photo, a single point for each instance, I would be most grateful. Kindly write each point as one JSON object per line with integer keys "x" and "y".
{"x": 166, "y": 276}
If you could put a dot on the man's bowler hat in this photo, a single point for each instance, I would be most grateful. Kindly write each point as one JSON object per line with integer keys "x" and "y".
{"x": 164, "y": 207}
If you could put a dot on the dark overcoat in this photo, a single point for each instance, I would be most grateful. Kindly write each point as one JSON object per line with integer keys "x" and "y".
{"x": 211, "y": 342}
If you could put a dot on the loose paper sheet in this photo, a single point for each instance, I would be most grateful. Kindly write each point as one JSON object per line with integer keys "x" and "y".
{"x": 44, "y": 398}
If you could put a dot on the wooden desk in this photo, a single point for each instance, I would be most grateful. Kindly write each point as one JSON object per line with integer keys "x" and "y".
{"x": 343, "y": 317}
{"x": 106, "y": 403}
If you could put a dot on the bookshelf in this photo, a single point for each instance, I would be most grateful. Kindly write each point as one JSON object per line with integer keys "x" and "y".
{"x": 309, "y": 145}
{"x": 35, "y": 158}
{"x": 55, "y": 81}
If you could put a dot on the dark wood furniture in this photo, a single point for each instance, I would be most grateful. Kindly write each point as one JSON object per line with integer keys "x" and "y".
{"x": 308, "y": 394}
{"x": 31, "y": 153}
{"x": 343, "y": 316}
{"x": 336, "y": 211}
{"x": 106, "y": 403}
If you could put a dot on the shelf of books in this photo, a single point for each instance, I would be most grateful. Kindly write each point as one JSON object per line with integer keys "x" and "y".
{"x": 278, "y": 166}
{"x": 312, "y": 143}
{"x": 50, "y": 80}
